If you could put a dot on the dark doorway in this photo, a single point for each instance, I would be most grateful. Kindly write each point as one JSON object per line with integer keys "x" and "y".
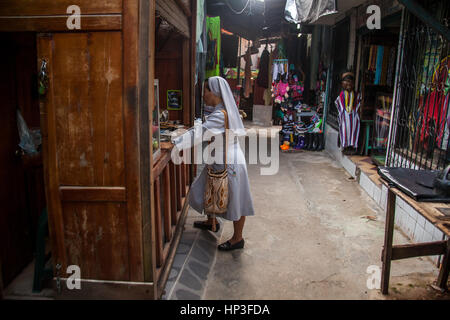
{"x": 22, "y": 192}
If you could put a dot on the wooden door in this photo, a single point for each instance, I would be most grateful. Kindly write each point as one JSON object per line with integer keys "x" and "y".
{"x": 82, "y": 116}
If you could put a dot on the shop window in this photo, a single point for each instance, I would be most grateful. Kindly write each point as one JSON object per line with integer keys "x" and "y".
{"x": 421, "y": 133}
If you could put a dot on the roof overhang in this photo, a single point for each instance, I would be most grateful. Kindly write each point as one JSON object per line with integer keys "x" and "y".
{"x": 342, "y": 7}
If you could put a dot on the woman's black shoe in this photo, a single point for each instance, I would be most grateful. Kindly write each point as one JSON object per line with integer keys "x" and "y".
{"x": 203, "y": 225}
{"x": 227, "y": 246}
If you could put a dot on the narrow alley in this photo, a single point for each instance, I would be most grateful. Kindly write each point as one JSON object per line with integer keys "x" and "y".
{"x": 315, "y": 233}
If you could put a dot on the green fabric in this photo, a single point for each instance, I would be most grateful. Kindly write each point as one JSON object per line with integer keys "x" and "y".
{"x": 213, "y": 48}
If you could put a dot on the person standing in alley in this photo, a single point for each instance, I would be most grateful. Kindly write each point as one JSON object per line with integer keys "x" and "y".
{"x": 218, "y": 94}
{"x": 348, "y": 104}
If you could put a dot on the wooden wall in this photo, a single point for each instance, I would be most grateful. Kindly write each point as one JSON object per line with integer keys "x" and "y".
{"x": 95, "y": 125}
{"x": 49, "y": 15}
{"x": 52, "y": 7}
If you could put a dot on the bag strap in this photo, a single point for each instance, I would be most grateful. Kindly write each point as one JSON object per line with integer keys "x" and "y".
{"x": 226, "y": 134}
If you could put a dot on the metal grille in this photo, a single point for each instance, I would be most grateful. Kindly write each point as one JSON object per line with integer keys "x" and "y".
{"x": 420, "y": 133}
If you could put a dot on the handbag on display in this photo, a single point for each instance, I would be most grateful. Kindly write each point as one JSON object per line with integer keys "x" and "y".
{"x": 216, "y": 190}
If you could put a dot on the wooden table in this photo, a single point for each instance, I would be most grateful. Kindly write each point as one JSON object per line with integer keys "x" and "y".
{"x": 430, "y": 211}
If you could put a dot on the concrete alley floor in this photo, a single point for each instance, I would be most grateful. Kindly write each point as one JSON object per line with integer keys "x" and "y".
{"x": 310, "y": 239}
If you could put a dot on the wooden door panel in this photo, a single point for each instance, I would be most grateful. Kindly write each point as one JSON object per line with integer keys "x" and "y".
{"x": 85, "y": 151}
{"x": 96, "y": 239}
{"x": 88, "y": 106}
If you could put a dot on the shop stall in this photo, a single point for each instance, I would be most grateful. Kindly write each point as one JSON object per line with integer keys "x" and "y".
{"x": 97, "y": 161}
{"x": 299, "y": 115}
{"x": 376, "y": 76}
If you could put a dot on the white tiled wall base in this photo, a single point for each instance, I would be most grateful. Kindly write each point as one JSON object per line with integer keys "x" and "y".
{"x": 349, "y": 166}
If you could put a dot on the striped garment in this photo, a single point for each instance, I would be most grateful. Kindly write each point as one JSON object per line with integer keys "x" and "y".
{"x": 349, "y": 121}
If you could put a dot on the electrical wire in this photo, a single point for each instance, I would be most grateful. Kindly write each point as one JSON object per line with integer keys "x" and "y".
{"x": 237, "y": 12}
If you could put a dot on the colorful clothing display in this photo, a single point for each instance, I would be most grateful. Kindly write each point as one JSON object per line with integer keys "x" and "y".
{"x": 213, "y": 46}
{"x": 434, "y": 118}
{"x": 379, "y": 68}
{"x": 348, "y": 104}
{"x": 280, "y": 68}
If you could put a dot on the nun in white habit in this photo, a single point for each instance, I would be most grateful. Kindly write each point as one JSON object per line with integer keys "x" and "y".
{"x": 218, "y": 94}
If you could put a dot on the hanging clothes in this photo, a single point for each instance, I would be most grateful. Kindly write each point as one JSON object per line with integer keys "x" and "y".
{"x": 279, "y": 68}
{"x": 213, "y": 46}
{"x": 348, "y": 104}
{"x": 247, "y": 74}
{"x": 434, "y": 118}
{"x": 434, "y": 107}
{"x": 379, "y": 64}
{"x": 268, "y": 91}
{"x": 263, "y": 75}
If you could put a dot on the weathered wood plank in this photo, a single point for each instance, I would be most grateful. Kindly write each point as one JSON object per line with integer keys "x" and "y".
{"x": 163, "y": 273}
{"x": 167, "y": 204}
{"x": 186, "y": 84}
{"x": 96, "y": 239}
{"x": 193, "y": 55}
{"x": 173, "y": 194}
{"x": 429, "y": 210}
{"x": 148, "y": 214}
{"x": 48, "y": 131}
{"x": 52, "y": 7}
{"x": 88, "y": 108}
{"x": 418, "y": 250}
{"x": 388, "y": 238}
{"x": 173, "y": 15}
{"x": 445, "y": 268}
{"x": 183, "y": 179}
{"x": 93, "y": 194}
{"x": 108, "y": 290}
{"x": 161, "y": 164}
{"x": 184, "y": 7}
{"x": 59, "y": 23}
{"x": 158, "y": 224}
{"x": 131, "y": 116}
{"x": 179, "y": 187}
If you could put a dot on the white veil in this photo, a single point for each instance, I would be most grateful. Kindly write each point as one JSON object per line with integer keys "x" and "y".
{"x": 220, "y": 87}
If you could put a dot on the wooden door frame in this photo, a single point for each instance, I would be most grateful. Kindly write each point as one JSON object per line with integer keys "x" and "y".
{"x": 1, "y": 281}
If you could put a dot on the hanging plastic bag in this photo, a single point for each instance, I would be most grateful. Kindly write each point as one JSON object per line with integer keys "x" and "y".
{"x": 27, "y": 143}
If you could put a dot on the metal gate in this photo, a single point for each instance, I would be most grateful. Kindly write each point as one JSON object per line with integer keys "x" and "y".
{"x": 420, "y": 127}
